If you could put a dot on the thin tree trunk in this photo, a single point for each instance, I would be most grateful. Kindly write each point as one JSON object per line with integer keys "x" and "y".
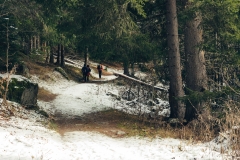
{"x": 38, "y": 43}
{"x": 62, "y": 56}
{"x": 51, "y": 55}
{"x": 132, "y": 69}
{"x": 125, "y": 65}
{"x": 196, "y": 77}
{"x": 58, "y": 54}
{"x": 35, "y": 42}
{"x": 176, "y": 87}
{"x": 23, "y": 44}
{"x": 45, "y": 50}
{"x": 31, "y": 45}
{"x": 125, "y": 68}
{"x": 86, "y": 56}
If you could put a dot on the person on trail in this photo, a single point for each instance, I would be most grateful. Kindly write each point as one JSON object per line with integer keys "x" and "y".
{"x": 84, "y": 72}
{"x": 99, "y": 67}
{"x": 88, "y": 72}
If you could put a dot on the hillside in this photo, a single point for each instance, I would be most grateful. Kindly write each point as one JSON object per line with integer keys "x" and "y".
{"x": 89, "y": 121}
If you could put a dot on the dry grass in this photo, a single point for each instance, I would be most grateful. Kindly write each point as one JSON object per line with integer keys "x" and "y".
{"x": 40, "y": 69}
{"x": 230, "y": 126}
{"x": 73, "y": 73}
{"x": 45, "y": 95}
{"x": 106, "y": 122}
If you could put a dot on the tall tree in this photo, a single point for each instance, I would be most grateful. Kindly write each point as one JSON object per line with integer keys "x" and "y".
{"x": 176, "y": 86}
{"x": 111, "y": 21}
{"x": 196, "y": 77}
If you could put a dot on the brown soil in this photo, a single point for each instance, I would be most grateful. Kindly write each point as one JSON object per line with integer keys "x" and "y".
{"x": 109, "y": 123}
{"x": 45, "y": 95}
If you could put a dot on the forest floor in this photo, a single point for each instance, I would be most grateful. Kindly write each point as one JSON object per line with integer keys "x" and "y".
{"x": 86, "y": 122}
{"x": 112, "y": 122}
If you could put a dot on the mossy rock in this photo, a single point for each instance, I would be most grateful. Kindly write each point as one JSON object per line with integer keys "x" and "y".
{"x": 22, "y": 91}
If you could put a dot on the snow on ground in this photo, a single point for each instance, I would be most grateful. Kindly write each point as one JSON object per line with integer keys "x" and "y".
{"x": 23, "y": 139}
{"x": 76, "y": 98}
{"x": 27, "y": 140}
{"x": 25, "y": 136}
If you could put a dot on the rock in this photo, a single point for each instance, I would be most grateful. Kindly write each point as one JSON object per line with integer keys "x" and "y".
{"x": 121, "y": 133}
{"x": 118, "y": 132}
{"x": 23, "y": 91}
{"x": 29, "y": 95}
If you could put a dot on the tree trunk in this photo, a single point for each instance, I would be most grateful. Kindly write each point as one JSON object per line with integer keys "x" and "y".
{"x": 132, "y": 69}
{"x": 51, "y": 55}
{"x": 62, "y": 56}
{"x": 38, "y": 42}
{"x": 31, "y": 45}
{"x": 45, "y": 50}
{"x": 125, "y": 65}
{"x": 58, "y": 54}
{"x": 23, "y": 44}
{"x": 196, "y": 77}
{"x": 34, "y": 42}
{"x": 176, "y": 87}
{"x": 86, "y": 56}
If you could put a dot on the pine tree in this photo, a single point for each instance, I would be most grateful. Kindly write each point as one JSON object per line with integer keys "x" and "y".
{"x": 176, "y": 87}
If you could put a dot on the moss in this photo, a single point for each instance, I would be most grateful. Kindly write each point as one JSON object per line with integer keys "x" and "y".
{"x": 42, "y": 112}
{"x": 60, "y": 70}
{"x": 16, "y": 88}
{"x": 52, "y": 125}
{"x": 33, "y": 107}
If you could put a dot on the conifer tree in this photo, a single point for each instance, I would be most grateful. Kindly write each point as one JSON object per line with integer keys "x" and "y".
{"x": 176, "y": 87}
{"x": 196, "y": 76}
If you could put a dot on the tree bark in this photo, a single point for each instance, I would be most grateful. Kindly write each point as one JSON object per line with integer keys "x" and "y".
{"x": 45, "y": 50}
{"x": 86, "y": 56}
{"x": 62, "y": 56}
{"x": 31, "y": 45}
{"x": 176, "y": 87}
{"x": 58, "y": 54}
{"x": 38, "y": 42}
{"x": 196, "y": 77}
{"x": 34, "y": 42}
{"x": 126, "y": 66}
{"x": 51, "y": 55}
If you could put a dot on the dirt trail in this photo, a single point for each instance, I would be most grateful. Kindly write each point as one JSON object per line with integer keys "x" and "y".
{"x": 105, "y": 122}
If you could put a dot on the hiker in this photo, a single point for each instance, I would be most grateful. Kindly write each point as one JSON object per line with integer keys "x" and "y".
{"x": 88, "y": 72}
{"x": 99, "y": 67}
{"x": 84, "y": 72}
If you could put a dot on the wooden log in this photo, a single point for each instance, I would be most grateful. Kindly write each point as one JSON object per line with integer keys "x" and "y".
{"x": 141, "y": 82}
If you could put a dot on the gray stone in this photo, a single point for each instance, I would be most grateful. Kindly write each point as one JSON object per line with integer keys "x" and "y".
{"x": 29, "y": 95}
{"x": 22, "y": 90}
{"x": 121, "y": 133}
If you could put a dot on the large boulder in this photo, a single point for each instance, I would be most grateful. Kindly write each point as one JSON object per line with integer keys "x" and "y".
{"x": 22, "y": 90}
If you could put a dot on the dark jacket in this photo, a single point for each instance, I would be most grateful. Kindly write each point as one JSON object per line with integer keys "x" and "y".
{"x": 84, "y": 70}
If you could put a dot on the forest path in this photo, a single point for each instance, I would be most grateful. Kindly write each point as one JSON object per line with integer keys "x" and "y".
{"x": 87, "y": 106}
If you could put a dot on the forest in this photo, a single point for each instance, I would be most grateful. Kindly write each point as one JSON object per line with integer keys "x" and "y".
{"x": 192, "y": 46}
